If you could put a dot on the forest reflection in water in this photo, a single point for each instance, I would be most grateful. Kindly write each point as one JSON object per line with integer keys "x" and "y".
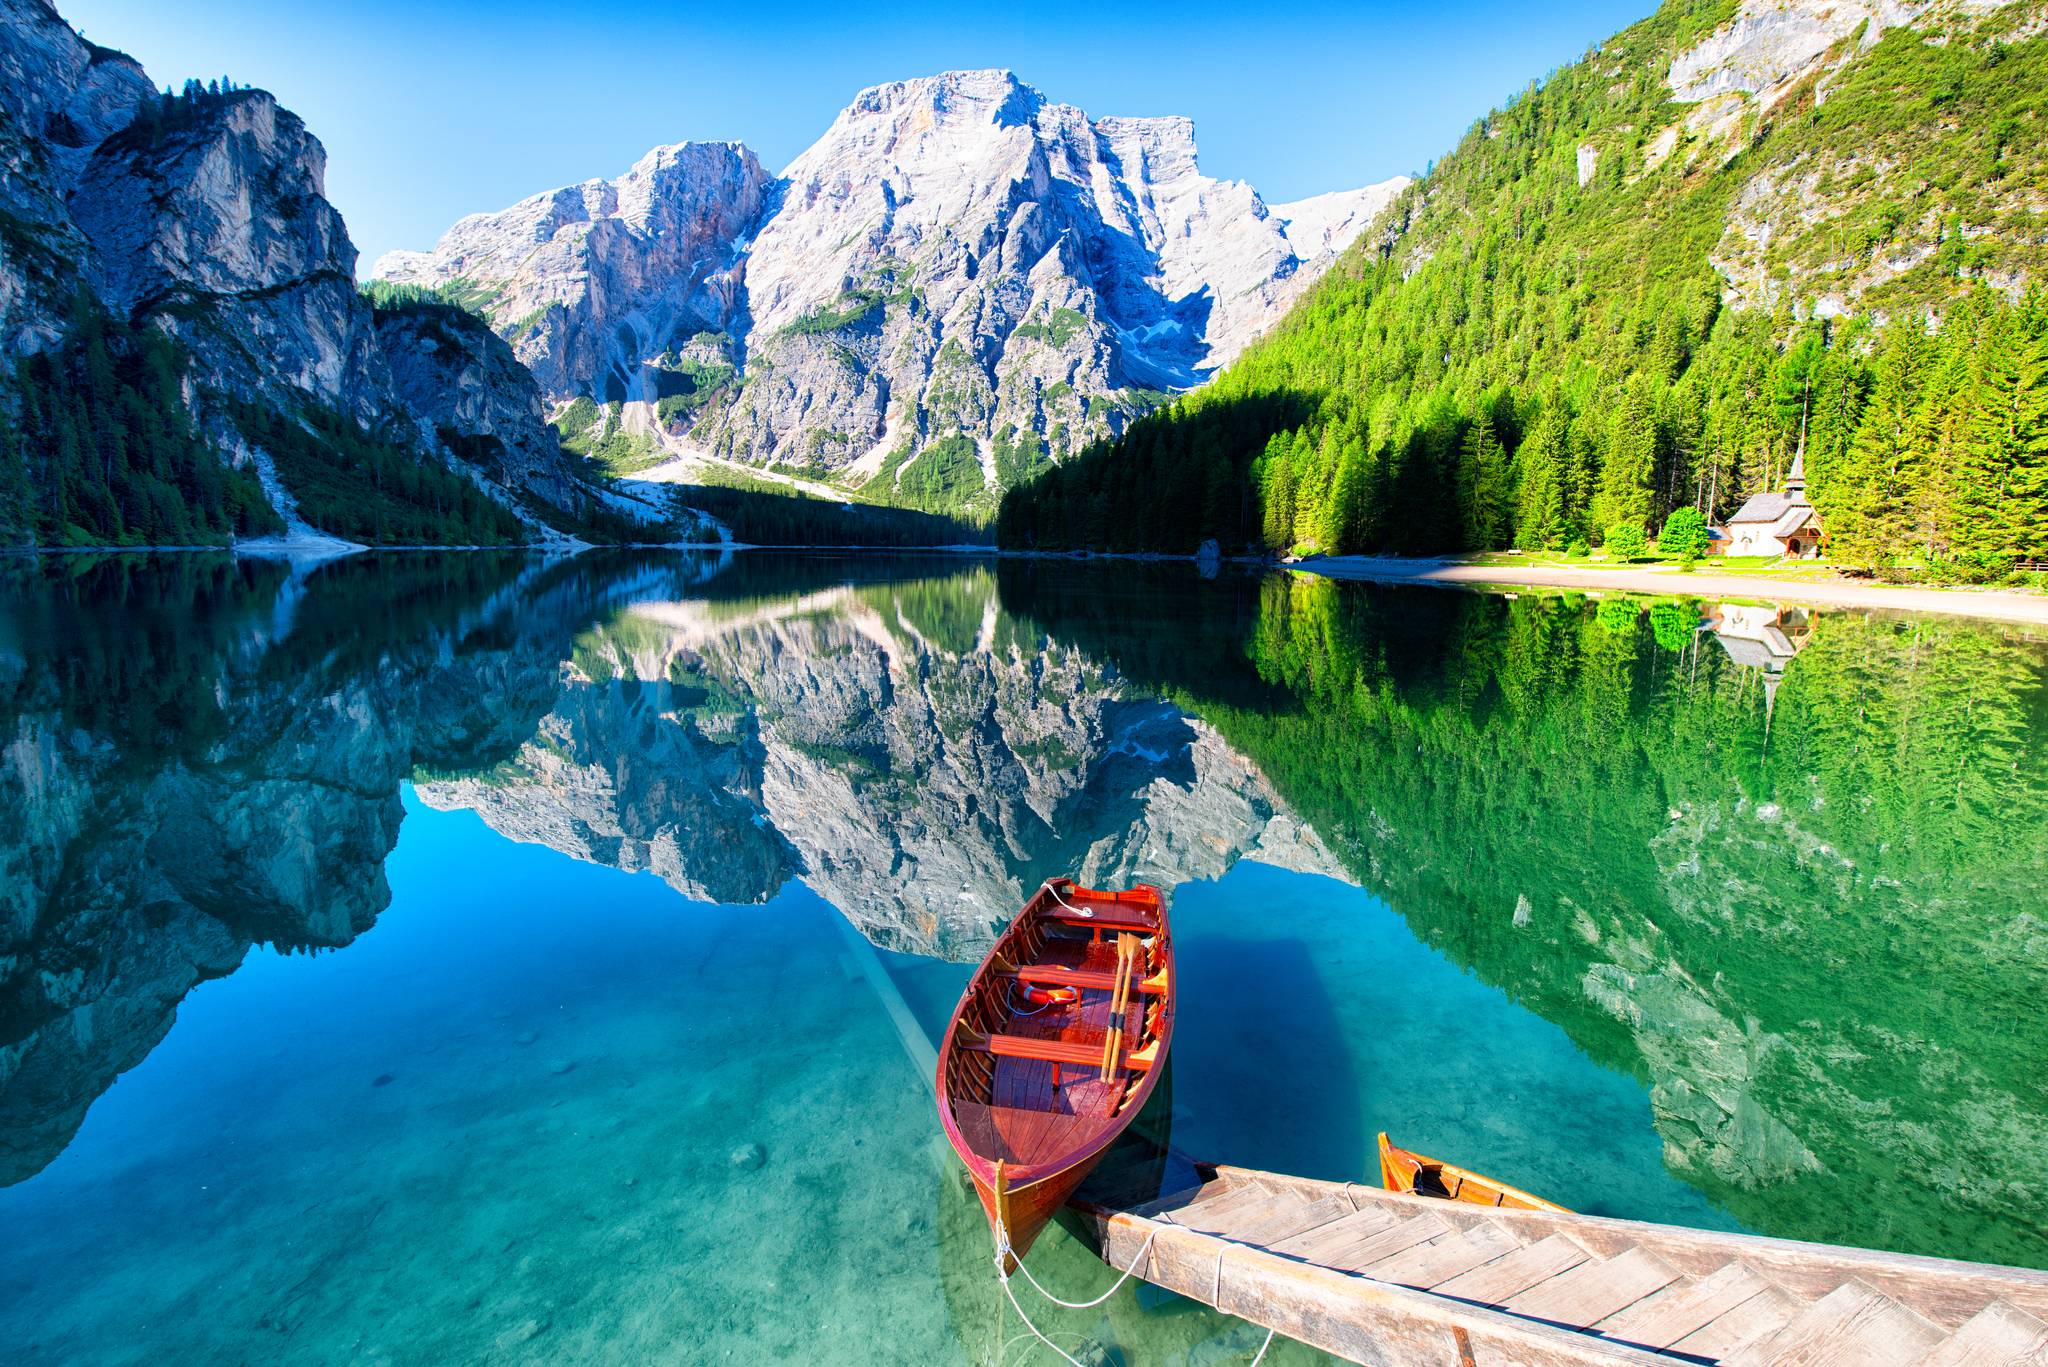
{"x": 1780, "y": 871}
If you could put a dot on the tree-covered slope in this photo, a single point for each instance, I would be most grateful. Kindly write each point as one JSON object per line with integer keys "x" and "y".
{"x": 1646, "y": 284}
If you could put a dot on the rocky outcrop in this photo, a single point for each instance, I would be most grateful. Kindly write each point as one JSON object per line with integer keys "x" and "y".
{"x": 219, "y": 226}
{"x": 64, "y": 97}
{"x": 959, "y": 280}
{"x": 1791, "y": 236}
{"x": 1770, "y": 44}
{"x": 206, "y": 216}
{"x": 590, "y": 281}
{"x": 462, "y": 384}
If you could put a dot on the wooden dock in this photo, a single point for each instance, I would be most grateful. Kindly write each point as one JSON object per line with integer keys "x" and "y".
{"x": 1381, "y": 1278}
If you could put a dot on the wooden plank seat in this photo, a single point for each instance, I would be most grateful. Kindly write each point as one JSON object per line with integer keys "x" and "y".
{"x": 1108, "y": 918}
{"x": 1052, "y": 1050}
{"x": 1057, "y": 975}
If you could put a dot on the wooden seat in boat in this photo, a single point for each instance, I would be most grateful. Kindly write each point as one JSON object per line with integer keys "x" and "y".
{"x": 1107, "y": 918}
{"x": 1058, "y": 975}
{"x": 1046, "y": 1050}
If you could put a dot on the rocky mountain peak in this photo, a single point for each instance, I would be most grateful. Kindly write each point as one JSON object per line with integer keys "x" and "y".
{"x": 958, "y": 282}
{"x": 990, "y": 95}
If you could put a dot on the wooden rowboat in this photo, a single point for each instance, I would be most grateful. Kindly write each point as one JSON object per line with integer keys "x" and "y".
{"x": 1401, "y": 1170}
{"x": 1057, "y": 1042}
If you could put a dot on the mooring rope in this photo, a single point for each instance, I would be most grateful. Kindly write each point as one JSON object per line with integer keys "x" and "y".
{"x": 1004, "y": 1252}
{"x": 1003, "y": 1248}
{"x": 1036, "y": 1332}
{"x": 1078, "y": 911}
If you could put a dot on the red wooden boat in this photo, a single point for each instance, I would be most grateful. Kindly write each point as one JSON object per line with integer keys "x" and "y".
{"x": 1057, "y": 1042}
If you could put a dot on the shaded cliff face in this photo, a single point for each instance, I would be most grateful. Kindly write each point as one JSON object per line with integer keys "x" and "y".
{"x": 64, "y": 98}
{"x": 462, "y": 383}
{"x": 207, "y": 217}
{"x": 918, "y": 757}
{"x": 959, "y": 280}
{"x": 220, "y": 226}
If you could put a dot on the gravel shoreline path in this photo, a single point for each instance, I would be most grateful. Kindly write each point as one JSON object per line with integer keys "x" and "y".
{"x": 1993, "y": 604}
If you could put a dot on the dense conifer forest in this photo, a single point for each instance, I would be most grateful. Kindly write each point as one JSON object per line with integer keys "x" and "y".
{"x": 1541, "y": 342}
{"x": 760, "y": 517}
{"x": 97, "y": 448}
{"x": 354, "y": 484}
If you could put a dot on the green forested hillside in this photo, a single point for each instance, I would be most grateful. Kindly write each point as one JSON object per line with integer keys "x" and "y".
{"x": 96, "y": 447}
{"x": 1608, "y": 304}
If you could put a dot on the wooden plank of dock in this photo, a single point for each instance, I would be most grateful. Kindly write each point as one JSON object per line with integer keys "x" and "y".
{"x": 1383, "y": 1278}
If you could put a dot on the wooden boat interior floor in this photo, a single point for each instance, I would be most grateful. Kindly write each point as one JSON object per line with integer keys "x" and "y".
{"x": 1034, "y": 1110}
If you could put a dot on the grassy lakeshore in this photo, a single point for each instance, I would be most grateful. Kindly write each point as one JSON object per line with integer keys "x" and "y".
{"x": 1794, "y": 581}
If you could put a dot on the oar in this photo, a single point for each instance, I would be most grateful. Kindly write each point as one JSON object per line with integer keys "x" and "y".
{"x": 1119, "y": 998}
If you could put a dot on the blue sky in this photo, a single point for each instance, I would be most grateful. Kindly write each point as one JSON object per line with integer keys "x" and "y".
{"x": 431, "y": 110}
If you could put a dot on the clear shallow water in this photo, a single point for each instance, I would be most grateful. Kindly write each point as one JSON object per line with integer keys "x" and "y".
{"x": 498, "y": 1118}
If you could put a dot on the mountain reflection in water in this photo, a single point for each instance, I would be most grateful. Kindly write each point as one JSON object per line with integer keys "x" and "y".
{"x": 1783, "y": 870}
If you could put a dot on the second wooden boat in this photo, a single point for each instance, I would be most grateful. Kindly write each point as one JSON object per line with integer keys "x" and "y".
{"x": 1057, "y": 1042}
{"x": 1403, "y": 1170}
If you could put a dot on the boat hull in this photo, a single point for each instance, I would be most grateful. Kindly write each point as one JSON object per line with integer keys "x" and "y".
{"x": 1030, "y": 1208}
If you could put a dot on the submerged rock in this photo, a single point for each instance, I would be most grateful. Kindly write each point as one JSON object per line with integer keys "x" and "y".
{"x": 523, "y": 1332}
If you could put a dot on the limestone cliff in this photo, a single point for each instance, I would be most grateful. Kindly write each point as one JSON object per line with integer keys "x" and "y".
{"x": 959, "y": 280}
{"x": 205, "y": 216}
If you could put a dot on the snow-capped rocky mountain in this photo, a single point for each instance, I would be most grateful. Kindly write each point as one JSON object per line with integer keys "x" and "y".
{"x": 959, "y": 280}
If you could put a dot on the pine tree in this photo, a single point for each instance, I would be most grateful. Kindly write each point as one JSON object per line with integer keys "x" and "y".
{"x": 1540, "y": 521}
{"x": 1483, "y": 486}
{"x": 1276, "y": 495}
{"x": 1631, "y": 459}
{"x": 1344, "y": 523}
{"x": 2001, "y": 490}
{"x": 1868, "y": 503}
{"x": 17, "y": 511}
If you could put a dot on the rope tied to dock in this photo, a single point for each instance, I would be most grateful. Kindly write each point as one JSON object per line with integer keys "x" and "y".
{"x": 1004, "y": 1254}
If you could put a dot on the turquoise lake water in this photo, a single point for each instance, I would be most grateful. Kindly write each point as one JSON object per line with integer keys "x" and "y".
{"x": 409, "y": 963}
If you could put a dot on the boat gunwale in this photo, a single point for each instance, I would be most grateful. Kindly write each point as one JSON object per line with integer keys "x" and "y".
{"x": 1019, "y": 1176}
{"x": 1516, "y": 1198}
